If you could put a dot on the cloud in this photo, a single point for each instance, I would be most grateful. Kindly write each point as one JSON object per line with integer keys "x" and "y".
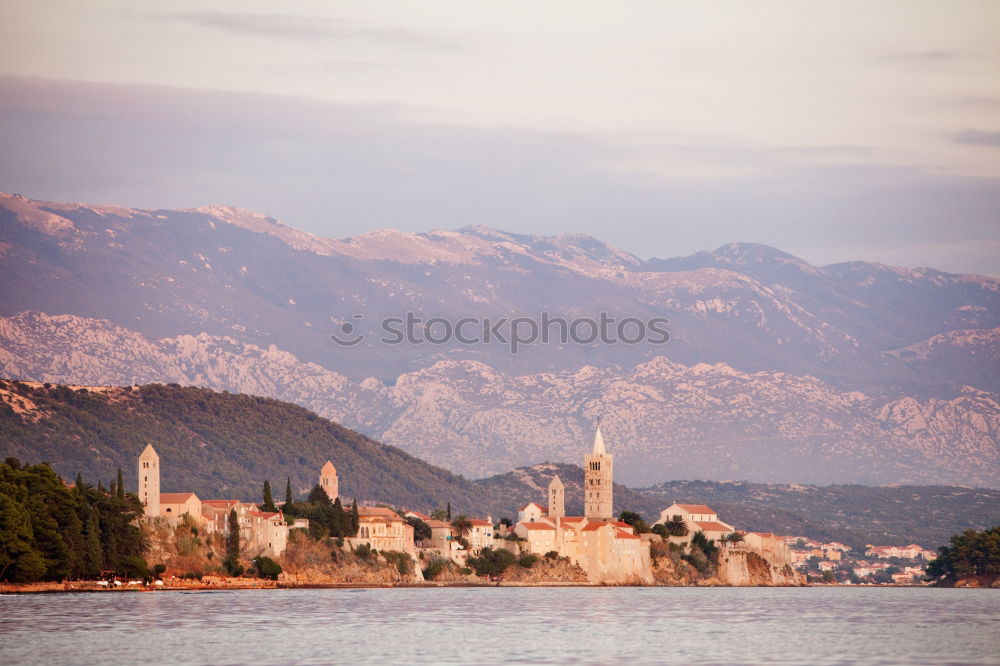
{"x": 977, "y": 138}
{"x": 341, "y": 170}
{"x": 928, "y": 57}
{"x": 301, "y": 27}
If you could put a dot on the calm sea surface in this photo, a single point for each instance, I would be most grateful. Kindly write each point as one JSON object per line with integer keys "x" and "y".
{"x": 506, "y": 625}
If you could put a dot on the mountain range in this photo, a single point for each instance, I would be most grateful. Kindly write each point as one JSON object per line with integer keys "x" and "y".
{"x": 775, "y": 369}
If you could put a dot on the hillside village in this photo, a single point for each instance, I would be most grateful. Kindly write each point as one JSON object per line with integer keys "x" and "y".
{"x": 598, "y": 547}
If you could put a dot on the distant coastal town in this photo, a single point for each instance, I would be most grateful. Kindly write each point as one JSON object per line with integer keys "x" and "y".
{"x": 182, "y": 540}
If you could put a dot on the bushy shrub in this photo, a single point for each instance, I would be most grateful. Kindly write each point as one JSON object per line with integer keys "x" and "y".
{"x": 435, "y": 567}
{"x": 363, "y": 552}
{"x": 492, "y": 562}
{"x": 266, "y": 567}
{"x": 233, "y": 566}
{"x": 527, "y": 560}
{"x": 404, "y": 565}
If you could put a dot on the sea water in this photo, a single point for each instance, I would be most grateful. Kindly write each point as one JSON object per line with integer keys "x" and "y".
{"x": 628, "y": 625}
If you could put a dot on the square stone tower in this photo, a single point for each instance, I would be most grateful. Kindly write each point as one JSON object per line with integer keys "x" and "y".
{"x": 149, "y": 481}
{"x": 597, "y": 481}
{"x": 557, "y": 498}
{"x": 328, "y": 481}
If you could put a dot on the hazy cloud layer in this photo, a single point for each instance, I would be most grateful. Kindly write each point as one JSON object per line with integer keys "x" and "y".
{"x": 301, "y": 26}
{"x": 978, "y": 138}
{"x": 340, "y": 170}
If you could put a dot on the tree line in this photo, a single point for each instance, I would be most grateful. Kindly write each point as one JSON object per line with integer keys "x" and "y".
{"x": 50, "y": 531}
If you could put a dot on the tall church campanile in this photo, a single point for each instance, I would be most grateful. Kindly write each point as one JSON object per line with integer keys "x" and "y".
{"x": 597, "y": 480}
{"x": 328, "y": 481}
{"x": 149, "y": 481}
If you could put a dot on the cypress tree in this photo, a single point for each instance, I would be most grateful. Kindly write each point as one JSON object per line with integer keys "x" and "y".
{"x": 355, "y": 518}
{"x": 100, "y": 487}
{"x": 288, "y": 492}
{"x": 121, "y": 485}
{"x": 93, "y": 557}
{"x": 449, "y": 512}
{"x": 268, "y": 504}
{"x": 233, "y": 539}
{"x": 340, "y": 522}
{"x": 232, "y": 561}
{"x": 79, "y": 482}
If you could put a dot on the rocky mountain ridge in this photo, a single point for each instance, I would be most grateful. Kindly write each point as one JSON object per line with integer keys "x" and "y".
{"x": 231, "y": 272}
{"x": 477, "y": 420}
{"x": 775, "y": 369}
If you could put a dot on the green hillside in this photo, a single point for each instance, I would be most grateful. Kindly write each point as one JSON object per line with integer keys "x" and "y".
{"x": 215, "y": 444}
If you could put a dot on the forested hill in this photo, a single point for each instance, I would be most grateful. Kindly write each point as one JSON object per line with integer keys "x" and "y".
{"x": 225, "y": 445}
{"x": 214, "y": 444}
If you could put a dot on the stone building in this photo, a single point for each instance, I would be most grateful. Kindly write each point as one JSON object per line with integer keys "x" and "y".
{"x": 607, "y": 550}
{"x": 174, "y": 506}
{"x": 697, "y": 518}
{"x": 382, "y": 529}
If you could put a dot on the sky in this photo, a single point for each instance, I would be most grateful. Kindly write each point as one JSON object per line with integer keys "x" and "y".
{"x": 833, "y": 130}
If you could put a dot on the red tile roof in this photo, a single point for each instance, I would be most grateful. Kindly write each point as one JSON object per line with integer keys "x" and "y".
{"x": 532, "y": 503}
{"x": 590, "y": 527}
{"x": 622, "y": 534}
{"x": 436, "y": 524}
{"x": 422, "y": 516}
{"x": 696, "y": 508}
{"x": 378, "y": 511}
{"x": 713, "y": 527}
{"x": 175, "y": 498}
{"x": 219, "y": 503}
{"x": 537, "y": 526}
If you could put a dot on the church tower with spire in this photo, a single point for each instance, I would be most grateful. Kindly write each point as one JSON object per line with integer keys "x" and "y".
{"x": 597, "y": 479}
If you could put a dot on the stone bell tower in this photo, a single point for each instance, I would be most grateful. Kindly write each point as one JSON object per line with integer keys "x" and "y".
{"x": 597, "y": 481}
{"x": 328, "y": 481}
{"x": 149, "y": 481}
{"x": 557, "y": 498}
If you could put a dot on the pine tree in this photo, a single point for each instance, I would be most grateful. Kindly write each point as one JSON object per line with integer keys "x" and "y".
{"x": 355, "y": 518}
{"x": 268, "y": 504}
{"x": 121, "y": 485}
